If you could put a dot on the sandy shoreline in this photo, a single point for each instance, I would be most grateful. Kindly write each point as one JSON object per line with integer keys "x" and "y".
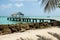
{"x": 38, "y": 34}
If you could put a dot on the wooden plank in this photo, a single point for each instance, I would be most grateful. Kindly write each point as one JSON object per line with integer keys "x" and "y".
{"x": 29, "y": 19}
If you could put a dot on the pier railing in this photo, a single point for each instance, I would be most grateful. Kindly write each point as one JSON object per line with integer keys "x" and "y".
{"x": 27, "y": 19}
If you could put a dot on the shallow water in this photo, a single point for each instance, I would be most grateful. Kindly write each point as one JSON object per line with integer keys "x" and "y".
{"x": 3, "y": 19}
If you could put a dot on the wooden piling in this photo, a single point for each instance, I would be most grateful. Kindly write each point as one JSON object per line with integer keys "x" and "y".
{"x": 29, "y": 19}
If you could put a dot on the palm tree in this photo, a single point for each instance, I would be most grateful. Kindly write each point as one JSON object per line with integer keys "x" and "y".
{"x": 58, "y": 5}
{"x": 49, "y": 4}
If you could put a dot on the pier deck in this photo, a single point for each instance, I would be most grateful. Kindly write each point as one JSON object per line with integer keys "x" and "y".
{"x": 30, "y": 19}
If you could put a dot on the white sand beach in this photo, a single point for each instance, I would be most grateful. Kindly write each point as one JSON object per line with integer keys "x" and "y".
{"x": 52, "y": 33}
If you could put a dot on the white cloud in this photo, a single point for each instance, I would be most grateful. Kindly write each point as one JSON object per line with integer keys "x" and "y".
{"x": 19, "y": 4}
{"x": 8, "y": 6}
{"x": 5, "y": 6}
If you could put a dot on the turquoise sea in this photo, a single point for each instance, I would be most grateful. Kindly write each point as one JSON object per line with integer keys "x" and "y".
{"x": 3, "y": 19}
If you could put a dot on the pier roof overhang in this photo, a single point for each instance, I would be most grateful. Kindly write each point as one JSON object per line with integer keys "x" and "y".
{"x": 18, "y": 13}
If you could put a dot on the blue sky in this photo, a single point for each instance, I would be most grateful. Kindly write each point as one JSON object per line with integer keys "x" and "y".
{"x": 28, "y": 7}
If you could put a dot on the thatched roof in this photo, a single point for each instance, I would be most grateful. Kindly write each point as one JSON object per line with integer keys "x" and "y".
{"x": 18, "y": 13}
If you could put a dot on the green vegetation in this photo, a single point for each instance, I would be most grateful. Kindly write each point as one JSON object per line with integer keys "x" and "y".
{"x": 50, "y": 4}
{"x": 22, "y": 27}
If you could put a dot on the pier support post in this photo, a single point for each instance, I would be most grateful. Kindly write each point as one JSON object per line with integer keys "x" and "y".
{"x": 36, "y": 20}
{"x": 33, "y": 20}
{"x": 13, "y": 19}
{"x": 29, "y": 20}
{"x": 19, "y": 19}
{"x": 7, "y": 18}
{"x": 23, "y": 20}
{"x": 42, "y": 20}
{"x": 51, "y": 21}
{"x": 10, "y": 18}
{"x": 39, "y": 20}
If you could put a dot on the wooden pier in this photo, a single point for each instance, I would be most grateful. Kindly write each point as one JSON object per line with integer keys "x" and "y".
{"x": 30, "y": 19}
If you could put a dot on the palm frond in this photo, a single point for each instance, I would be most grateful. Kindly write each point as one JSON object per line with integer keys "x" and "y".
{"x": 50, "y": 4}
